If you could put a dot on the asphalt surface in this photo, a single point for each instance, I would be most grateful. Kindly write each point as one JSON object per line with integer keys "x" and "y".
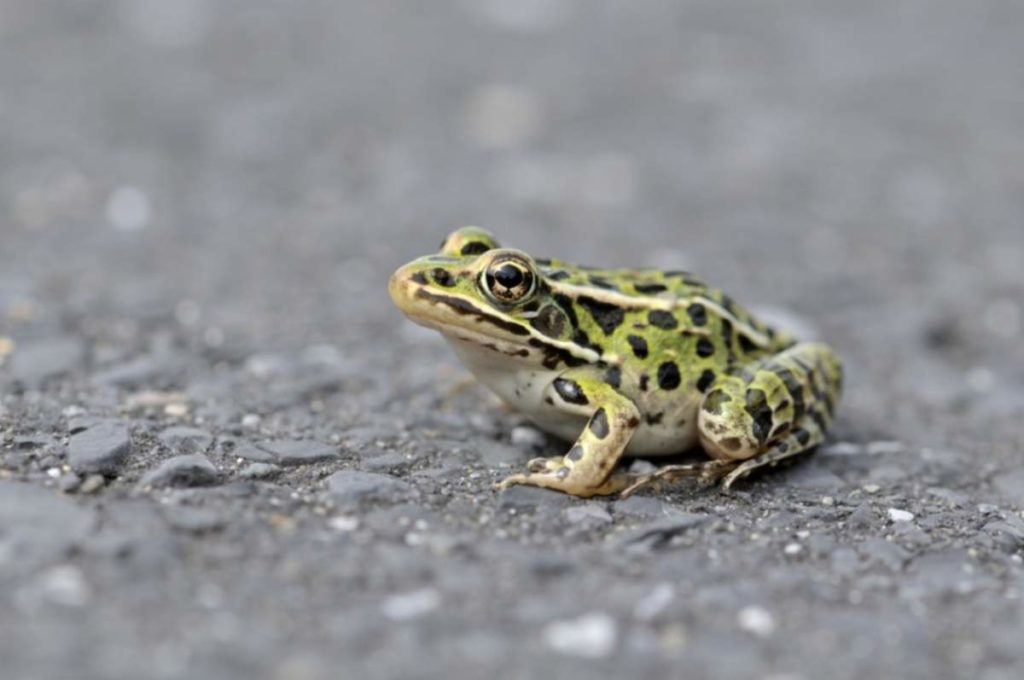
{"x": 223, "y": 454}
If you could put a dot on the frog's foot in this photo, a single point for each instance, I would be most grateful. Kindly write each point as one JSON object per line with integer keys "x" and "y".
{"x": 549, "y": 480}
{"x": 587, "y": 469}
{"x": 770, "y": 411}
{"x": 802, "y": 441}
{"x": 709, "y": 471}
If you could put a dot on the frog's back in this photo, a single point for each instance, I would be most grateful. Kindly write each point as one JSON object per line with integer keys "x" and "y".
{"x": 692, "y": 304}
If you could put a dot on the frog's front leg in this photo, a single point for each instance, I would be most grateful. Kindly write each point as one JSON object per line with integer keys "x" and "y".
{"x": 586, "y": 470}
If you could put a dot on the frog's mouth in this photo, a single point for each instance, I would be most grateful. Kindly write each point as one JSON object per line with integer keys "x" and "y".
{"x": 451, "y": 314}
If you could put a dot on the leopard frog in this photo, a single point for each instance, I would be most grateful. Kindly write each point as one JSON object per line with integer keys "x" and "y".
{"x": 623, "y": 362}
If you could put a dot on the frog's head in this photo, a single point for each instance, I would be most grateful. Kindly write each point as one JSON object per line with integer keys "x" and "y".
{"x": 496, "y": 298}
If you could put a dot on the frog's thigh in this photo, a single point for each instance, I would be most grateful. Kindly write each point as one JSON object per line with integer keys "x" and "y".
{"x": 586, "y": 469}
{"x": 794, "y": 392}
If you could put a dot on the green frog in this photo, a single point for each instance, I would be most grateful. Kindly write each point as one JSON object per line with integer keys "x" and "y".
{"x": 625, "y": 362}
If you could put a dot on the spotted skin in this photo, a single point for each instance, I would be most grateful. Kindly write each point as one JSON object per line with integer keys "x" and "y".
{"x": 586, "y": 470}
{"x": 624, "y": 362}
{"x": 760, "y": 417}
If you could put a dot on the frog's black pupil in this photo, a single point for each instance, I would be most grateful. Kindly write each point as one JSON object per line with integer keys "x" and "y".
{"x": 509, "y": 276}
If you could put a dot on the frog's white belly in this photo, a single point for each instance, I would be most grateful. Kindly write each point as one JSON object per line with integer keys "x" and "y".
{"x": 525, "y": 388}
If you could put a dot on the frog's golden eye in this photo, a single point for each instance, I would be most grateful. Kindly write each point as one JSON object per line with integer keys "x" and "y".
{"x": 509, "y": 280}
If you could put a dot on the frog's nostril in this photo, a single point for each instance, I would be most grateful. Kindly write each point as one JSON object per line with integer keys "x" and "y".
{"x": 443, "y": 277}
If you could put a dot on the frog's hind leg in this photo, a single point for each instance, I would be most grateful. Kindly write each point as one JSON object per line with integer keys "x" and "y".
{"x": 773, "y": 411}
{"x": 799, "y": 442}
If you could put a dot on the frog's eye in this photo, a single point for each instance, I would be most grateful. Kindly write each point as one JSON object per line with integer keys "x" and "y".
{"x": 509, "y": 280}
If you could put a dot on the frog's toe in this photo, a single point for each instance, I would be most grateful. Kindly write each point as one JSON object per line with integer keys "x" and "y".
{"x": 707, "y": 472}
{"x": 545, "y": 464}
{"x": 511, "y": 480}
{"x": 554, "y": 479}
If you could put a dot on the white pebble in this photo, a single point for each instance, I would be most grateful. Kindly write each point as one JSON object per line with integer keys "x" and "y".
{"x": 756, "y": 620}
{"x": 343, "y": 524}
{"x": 871, "y": 488}
{"x": 251, "y": 421}
{"x": 528, "y": 437}
{"x": 793, "y": 549}
{"x": 412, "y": 605}
{"x": 900, "y": 515}
{"x": 66, "y": 585}
{"x": 176, "y": 410}
{"x": 129, "y": 209}
{"x": 591, "y": 636}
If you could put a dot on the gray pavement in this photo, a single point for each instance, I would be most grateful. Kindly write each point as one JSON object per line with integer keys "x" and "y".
{"x": 223, "y": 454}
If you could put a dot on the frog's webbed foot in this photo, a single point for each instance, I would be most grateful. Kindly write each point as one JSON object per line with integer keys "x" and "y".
{"x": 587, "y": 469}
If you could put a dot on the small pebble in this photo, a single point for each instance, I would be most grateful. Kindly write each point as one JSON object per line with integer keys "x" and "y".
{"x": 100, "y": 448}
{"x": 176, "y": 410}
{"x": 896, "y": 515}
{"x": 192, "y": 469}
{"x": 828, "y": 501}
{"x": 793, "y": 549}
{"x": 591, "y": 636}
{"x": 299, "y": 451}
{"x": 355, "y": 486}
{"x": 871, "y": 488}
{"x": 251, "y": 421}
{"x": 69, "y": 483}
{"x": 528, "y": 438}
{"x": 756, "y": 620}
{"x": 92, "y": 484}
{"x": 66, "y": 585}
{"x": 259, "y": 471}
{"x": 409, "y": 606}
{"x": 343, "y": 523}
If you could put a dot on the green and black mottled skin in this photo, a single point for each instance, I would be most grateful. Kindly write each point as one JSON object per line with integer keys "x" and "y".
{"x": 626, "y": 362}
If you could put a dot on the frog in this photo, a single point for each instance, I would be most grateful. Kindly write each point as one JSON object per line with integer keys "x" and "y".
{"x": 625, "y": 363}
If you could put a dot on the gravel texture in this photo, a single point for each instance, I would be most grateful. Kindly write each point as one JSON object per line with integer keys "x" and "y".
{"x": 201, "y": 202}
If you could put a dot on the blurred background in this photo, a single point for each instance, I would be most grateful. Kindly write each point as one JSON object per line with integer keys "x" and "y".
{"x": 225, "y": 178}
{"x": 267, "y": 164}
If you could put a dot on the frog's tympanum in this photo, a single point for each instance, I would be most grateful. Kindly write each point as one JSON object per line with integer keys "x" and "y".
{"x": 624, "y": 362}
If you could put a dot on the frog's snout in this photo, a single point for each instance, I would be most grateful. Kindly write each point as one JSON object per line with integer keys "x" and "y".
{"x": 401, "y": 287}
